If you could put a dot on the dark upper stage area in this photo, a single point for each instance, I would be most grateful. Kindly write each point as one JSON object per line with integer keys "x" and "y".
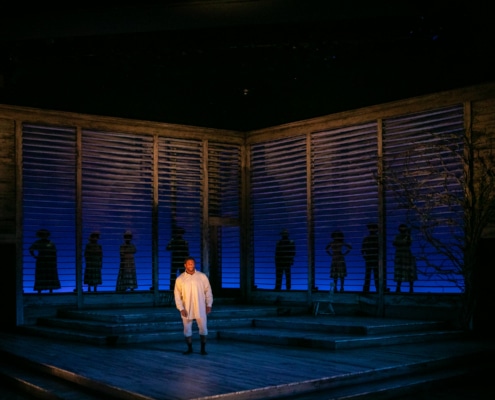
{"x": 239, "y": 65}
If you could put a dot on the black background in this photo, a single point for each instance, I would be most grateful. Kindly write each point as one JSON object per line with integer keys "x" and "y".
{"x": 239, "y": 65}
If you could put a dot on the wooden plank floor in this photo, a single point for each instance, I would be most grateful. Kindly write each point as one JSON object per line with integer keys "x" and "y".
{"x": 230, "y": 370}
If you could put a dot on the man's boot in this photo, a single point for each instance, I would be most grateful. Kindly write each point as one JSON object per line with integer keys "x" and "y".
{"x": 203, "y": 344}
{"x": 189, "y": 345}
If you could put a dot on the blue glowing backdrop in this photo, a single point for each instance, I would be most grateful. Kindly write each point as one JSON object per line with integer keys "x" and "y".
{"x": 311, "y": 185}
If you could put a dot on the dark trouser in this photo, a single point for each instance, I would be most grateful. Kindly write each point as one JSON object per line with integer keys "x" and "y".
{"x": 370, "y": 270}
{"x": 280, "y": 270}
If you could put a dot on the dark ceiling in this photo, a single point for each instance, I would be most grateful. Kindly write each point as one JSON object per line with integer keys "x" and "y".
{"x": 237, "y": 64}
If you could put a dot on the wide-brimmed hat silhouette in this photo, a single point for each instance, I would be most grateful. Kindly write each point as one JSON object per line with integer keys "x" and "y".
{"x": 372, "y": 226}
{"x": 178, "y": 230}
{"x": 42, "y": 233}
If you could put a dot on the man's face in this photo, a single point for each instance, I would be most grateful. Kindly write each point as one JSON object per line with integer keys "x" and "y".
{"x": 190, "y": 266}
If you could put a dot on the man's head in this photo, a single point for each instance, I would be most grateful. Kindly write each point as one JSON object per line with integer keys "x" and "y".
{"x": 372, "y": 227}
{"x": 178, "y": 231}
{"x": 94, "y": 236}
{"x": 190, "y": 265}
{"x": 403, "y": 228}
{"x": 43, "y": 233}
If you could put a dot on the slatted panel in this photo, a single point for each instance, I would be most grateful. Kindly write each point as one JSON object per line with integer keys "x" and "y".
{"x": 49, "y": 162}
{"x": 180, "y": 198}
{"x": 224, "y": 182}
{"x": 117, "y": 196}
{"x": 345, "y": 197}
{"x": 415, "y": 162}
{"x": 278, "y": 197}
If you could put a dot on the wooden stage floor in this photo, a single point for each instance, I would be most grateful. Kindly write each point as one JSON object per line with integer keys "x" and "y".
{"x": 231, "y": 370}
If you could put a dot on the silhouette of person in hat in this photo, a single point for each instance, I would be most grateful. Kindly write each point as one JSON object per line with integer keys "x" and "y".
{"x": 285, "y": 251}
{"x": 179, "y": 248}
{"x": 45, "y": 253}
{"x": 337, "y": 249}
{"x": 93, "y": 255}
{"x": 369, "y": 250}
{"x": 127, "y": 278}
{"x": 404, "y": 261}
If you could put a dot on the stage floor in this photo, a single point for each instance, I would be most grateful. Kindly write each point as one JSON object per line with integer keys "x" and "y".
{"x": 231, "y": 370}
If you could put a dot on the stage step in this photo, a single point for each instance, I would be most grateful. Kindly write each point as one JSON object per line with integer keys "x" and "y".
{"x": 339, "y": 332}
{"x": 255, "y": 324}
{"x": 352, "y": 325}
{"x": 140, "y": 325}
{"x": 298, "y": 337}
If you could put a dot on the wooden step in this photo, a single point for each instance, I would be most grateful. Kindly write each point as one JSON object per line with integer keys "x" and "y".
{"x": 134, "y": 325}
{"x": 113, "y": 328}
{"x": 351, "y": 325}
{"x": 262, "y": 324}
{"x": 161, "y": 314}
{"x": 99, "y": 333}
{"x": 330, "y": 341}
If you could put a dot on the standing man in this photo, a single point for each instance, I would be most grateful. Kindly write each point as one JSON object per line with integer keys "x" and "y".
{"x": 194, "y": 299}
{"x": 179, "y": 247}
{"x": 284, "y": 258}
{"x": 369, "y": 249}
